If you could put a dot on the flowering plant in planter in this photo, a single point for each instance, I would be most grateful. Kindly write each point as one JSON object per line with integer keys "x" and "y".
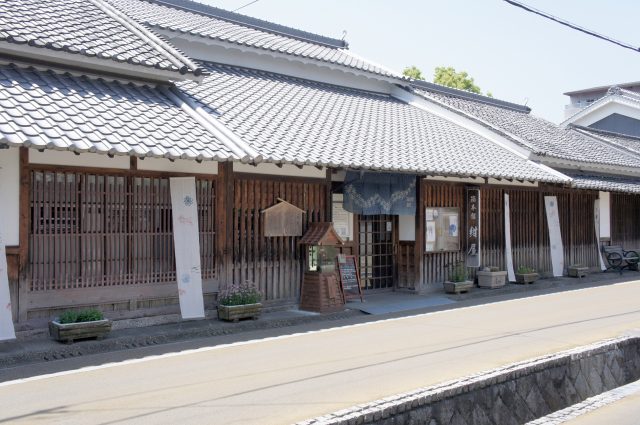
{"x": 240, "y": 294}
{"x": 240, "y": 302}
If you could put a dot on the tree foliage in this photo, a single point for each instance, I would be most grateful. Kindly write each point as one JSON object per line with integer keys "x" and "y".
{"x": 447, "y": 76}
{"x": 413, "y": 72}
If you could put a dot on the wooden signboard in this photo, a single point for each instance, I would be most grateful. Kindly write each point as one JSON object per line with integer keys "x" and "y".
{"x": 349, "y": 277}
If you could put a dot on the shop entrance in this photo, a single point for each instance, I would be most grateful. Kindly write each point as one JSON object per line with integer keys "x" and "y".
{"x": 376, "y": 239}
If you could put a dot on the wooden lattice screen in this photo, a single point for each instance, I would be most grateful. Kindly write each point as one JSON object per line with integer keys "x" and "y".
{"x": 92, "y": 230}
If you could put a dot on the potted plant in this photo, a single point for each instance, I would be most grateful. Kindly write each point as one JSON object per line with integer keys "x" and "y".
{"x": 457, "y": 281}
{"x": 526, "y": 274}
{"x": 240, "y": 302}
{"x": 491, "y": 277}
{"x": 73, "y": 324}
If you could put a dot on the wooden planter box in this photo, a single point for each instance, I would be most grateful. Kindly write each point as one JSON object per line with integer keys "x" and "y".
{"x": 491, "y": 279}
{"x": 527, "y": 277}
{"x": 233, "y": 313}
{"x": 457, "y": 287}
{"x": 69, "y": 332}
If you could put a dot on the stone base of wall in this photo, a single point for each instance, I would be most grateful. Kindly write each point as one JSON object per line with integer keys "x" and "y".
{"x": 515, "y": 394}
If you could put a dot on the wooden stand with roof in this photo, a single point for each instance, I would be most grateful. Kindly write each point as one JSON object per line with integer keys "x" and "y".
{"x": 321, "y": 290}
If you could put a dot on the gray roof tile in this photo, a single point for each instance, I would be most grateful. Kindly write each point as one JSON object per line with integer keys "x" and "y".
{"x": 305, "y": 122}
{"x": 147, "y": 123}
{"x": 604, "y": 182}
{"x": 536, "y": 134}
{"x": 90, "y": 28}
{"x": 205, "y": 21}
{"x": 631, "y": 143}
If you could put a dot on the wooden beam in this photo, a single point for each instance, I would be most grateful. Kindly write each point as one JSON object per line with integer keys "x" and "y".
{"x": 224, "y": 220}
{"x": 418, "y": 249}
{"x": 133, "y": 163}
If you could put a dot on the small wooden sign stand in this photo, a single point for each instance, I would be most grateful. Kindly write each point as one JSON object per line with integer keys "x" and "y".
{"x": 349, "y": 277}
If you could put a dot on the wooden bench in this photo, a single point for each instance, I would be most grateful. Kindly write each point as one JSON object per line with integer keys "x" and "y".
{"x": 619, "y": 259}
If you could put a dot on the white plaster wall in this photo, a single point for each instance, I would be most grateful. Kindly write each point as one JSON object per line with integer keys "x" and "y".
{"x": 53, "y": 157}
{"x": 407, "y": 227}
{"x": 178, "y": 166}
{"x": 605, "y": 214}
{"x": 10, "y": 195}
{"x": 286, "y": 170}
{"x": 613, "y": 107}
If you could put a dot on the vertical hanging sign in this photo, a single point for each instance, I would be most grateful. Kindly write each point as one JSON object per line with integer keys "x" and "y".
{"x": 186, "y": 238}
{"x": 507, "y": 239}
{"x": 555, "y": 237}
{"x": 596, "y": 219}
{"x": 6, "y": 321}
{"x": 473, "y": 227}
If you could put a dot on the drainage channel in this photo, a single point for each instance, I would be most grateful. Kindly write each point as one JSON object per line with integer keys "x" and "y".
{"x": 589, "y": 405}
{"x": 521, "y": 393}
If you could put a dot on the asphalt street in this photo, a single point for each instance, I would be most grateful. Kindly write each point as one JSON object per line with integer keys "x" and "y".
{"x": 289, "y": 378}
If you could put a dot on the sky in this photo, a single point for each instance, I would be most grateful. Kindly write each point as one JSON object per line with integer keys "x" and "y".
{"x": 516, "y": 55}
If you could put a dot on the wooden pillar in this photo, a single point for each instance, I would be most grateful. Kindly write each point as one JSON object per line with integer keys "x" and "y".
{"x": 224, "y": 223}
{"x": 329, "y": 197}
{"x": 25, "y": 217}
{"x": 418, "y": 249}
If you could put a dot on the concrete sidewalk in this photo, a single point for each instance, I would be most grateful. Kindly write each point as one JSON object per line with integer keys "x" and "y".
{"x": 37, "y": 346}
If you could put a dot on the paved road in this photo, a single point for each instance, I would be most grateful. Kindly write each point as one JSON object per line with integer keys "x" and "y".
{"x": 286, "y": 379}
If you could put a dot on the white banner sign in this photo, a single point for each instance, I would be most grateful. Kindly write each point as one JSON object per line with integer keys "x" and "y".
{"x": 507, "y": 240}
{"x": 555, "y": 237}
{"x": 186, "y": 239}
{"x": 596, "y": 219}
{"x": 6, "y": 321}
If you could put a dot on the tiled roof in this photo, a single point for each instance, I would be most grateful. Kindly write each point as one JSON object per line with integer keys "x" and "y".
{"x": 536, "y": 134}
{"x": 605, "y": 183}
{"x": 44, "y": 109}
{"x": 196, "y": 19}
{"x": 288, "y": 119}
{"x": 631, "y": 143}
{"x": 92, "y": 29}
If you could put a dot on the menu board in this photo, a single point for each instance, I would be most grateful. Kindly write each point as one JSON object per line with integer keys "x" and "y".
{"x": 349, "y": 277}
{"x": 442, "y": 229}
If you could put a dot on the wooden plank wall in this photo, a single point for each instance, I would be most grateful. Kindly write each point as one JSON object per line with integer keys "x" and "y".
{"x": 625, "y": 220}
{"x": 273, "y": 263}
{"x": 529, "y": 233}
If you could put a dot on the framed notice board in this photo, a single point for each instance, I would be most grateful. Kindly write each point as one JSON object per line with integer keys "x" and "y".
{"x": 442, "y": 229}
{"x": 349, "y": 277}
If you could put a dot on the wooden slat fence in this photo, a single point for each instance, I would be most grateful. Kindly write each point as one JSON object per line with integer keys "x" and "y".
{"x": 93, "y": 230}
{"x": 274, "y": 264}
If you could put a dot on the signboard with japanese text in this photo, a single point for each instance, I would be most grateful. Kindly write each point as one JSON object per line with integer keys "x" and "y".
{"x": 473, "y": 227}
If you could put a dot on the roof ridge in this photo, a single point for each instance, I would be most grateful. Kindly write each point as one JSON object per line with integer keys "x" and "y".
{"x": 605, "y": 132}
{"x": 183, "y": 63}
{"x": 255, "y": 23}
{"x": 300, "y": 79}
{"x": 470, "y": 96}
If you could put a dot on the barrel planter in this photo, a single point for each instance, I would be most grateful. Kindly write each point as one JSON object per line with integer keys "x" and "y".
{"x": 233, "y": 313}
{"x": 69, "y": 332}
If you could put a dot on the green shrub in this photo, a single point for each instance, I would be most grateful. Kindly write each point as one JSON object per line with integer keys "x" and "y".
{"x": 457, "y": 272}
{"x": 242, "y": 294}
{"x": 88, "y": 315}
{"x": 525, "y": 270}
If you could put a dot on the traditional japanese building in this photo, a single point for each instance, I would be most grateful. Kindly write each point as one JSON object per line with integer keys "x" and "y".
{"x": 103, "y": 107}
